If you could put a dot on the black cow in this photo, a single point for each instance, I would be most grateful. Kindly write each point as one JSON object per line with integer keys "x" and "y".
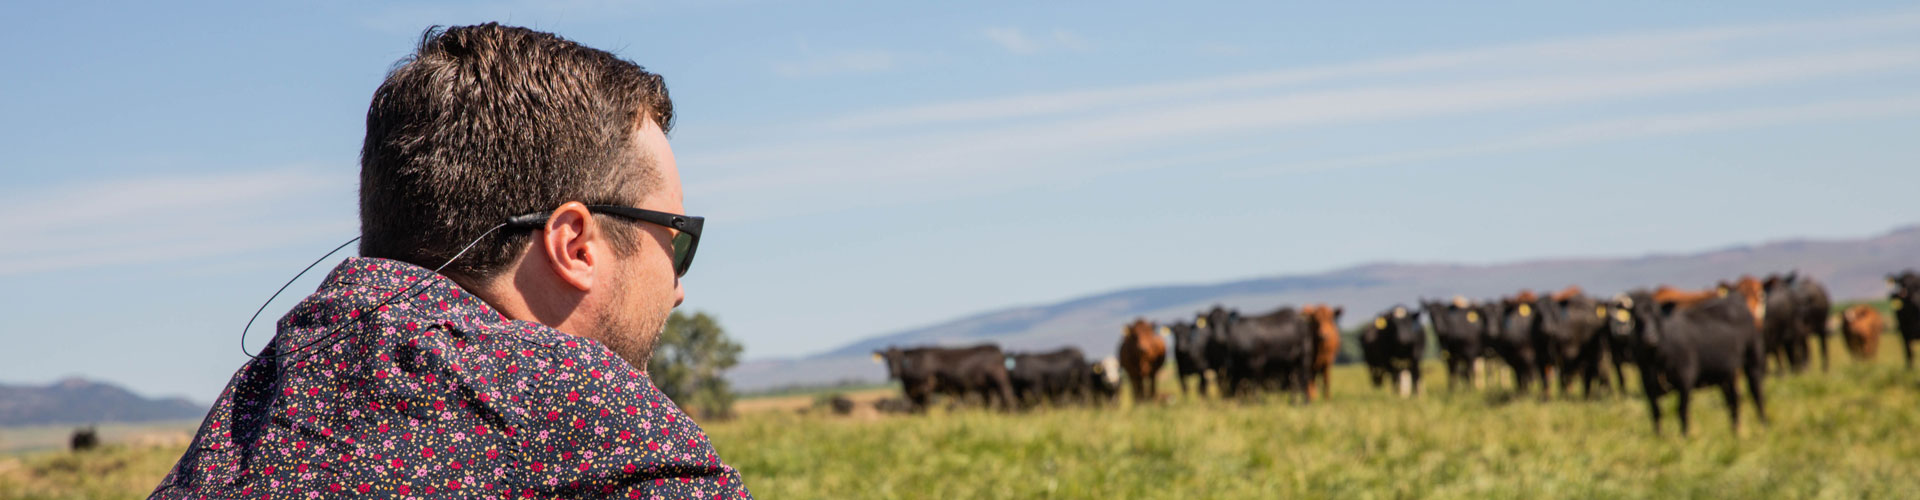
{"x": 1392, "y": 345}
{"x": 1796, "y": 313}
{"x": 1573, "y": 337}
{"x": 1461, "y": 329}
{"x": 83, "y": 439}
{"x": 1194, "y": 349}
{"x": 1512, "y": 337}
{"x": 1274, "y": 350}
{"x": 1905, "y": 288}
{"x": 1050, "y": 377}
{"x": 1103, "y": 380}
{"x": 1680, "y": 348}
{"x": 959, "y": 372}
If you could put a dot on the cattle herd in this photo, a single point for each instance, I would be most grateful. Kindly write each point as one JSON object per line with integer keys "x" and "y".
{"x": 1677, "y": 340}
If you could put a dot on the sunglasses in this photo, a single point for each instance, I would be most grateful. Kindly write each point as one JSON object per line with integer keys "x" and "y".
{"x": 686, "y": 228}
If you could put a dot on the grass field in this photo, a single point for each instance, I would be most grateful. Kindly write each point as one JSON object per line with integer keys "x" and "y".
{"x": 1842, "y": 434}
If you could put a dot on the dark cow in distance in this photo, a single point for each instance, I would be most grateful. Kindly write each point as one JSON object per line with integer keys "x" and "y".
{"x": 1905, "y": 288}
{"x": 958, "y": 372}
{"x": 1796, "y": 313}
{"x": 1142, "y": 353}
{"x": 1461, "y": 329}
{"x": 1269, "y": 351}
{"x": 1512, "y": 336}
{"x": 1572, "y": 336}
{"x": 1053, "y": 377}
{"x": 1197, "y": 348}
{"x": 1680, "y": 348}
{"x": 1392, "y": 345}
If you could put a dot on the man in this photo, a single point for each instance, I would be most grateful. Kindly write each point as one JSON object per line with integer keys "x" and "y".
{"x": 521, "y": 249}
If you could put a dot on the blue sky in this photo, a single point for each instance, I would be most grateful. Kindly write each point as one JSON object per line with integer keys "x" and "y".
{"x": 867, "y": 167}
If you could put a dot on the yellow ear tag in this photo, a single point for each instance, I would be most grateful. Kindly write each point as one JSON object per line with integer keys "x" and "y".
{"x": 1164, "y": 331}
{"x": 1896, "y": 304}
{"x": 1399, "y": 312}
{"x": 1526, "y": 310}
{"x": 1473, "y": 316}
{"x": 1622, "y": 316}
{"x": 1722, "y": 291}
{"x": 1380, "y": 323}
{"x": 1200, "y": 323}
{"x": 876, "y": 358}
{"x": 1600, "y": 312}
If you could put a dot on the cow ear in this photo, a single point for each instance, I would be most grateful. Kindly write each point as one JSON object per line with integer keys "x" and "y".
{"x": 1667, "y": 308}
{"x": 1337, "y": 311}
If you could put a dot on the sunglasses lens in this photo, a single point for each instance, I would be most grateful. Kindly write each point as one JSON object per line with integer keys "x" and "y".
{"x": 682, "y": 252}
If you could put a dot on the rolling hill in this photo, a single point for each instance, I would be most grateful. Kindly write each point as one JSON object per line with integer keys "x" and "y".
{"x": 1851, "y": 268}
{"x": 81, "y": 401}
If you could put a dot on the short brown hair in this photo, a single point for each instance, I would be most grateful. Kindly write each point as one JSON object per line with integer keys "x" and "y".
{"x": 487, "y": 122}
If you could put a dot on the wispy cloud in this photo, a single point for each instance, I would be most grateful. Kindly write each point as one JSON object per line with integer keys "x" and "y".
{"x": 855, "y": 61}
{"x": 158, "y": 219}
{"x": 1583, "y": 54}
{"x": 1016, "y": 41}
{"x": 1624, "y": 129}
{"x": 983, "y": 145}
{"x": 1012, "y": 40}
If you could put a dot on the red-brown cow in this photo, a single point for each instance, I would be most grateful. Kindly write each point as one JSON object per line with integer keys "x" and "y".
{"x": 1142, "y": 353}
{"x": 1862, "y": 325}
{"x": 1325, "y": 322}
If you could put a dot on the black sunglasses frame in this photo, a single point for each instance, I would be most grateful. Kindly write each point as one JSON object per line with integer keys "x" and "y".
{"x": 685, "y": 224}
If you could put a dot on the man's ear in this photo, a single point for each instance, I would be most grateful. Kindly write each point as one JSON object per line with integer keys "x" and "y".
{"x": 571, "y": 244}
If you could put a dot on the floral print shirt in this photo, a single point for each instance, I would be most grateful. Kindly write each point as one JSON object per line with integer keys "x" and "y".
{"x": 425, "y": 391}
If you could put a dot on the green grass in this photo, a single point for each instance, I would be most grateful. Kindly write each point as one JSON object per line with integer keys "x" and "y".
{"x": 1843, "y": 434}
{"x": 110, "y": 472}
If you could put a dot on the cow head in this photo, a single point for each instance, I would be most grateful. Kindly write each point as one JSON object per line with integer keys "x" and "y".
{"x": 894, "y": 359}
{"x": 1106, "y": 377}
{"x": 1458, "y": 316}
{"x": 1645, "y": 319}
{"x": 1903, "y": 289}
{"x": 1188, "y": 340}
{"x": 1521, "y": 315}
{"x": 1401, "y": 323}
{"x": 1323, "y": 320}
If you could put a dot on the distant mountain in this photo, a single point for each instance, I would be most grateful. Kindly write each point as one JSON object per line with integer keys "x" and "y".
{"x": 1850, "y": 268}
{"x": 80, "y": 401}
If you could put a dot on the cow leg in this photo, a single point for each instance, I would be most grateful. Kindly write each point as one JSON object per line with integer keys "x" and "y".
{"x": 1415, "y": 367}
{"x": 1326, "y": 381}
{"x": 1906, "y": 345}
{"x": 1203, "y": 382}
{"x": 1653, "y": 405}
{"x": 1686, "y": 407}
{"x": 1730, "y": 391}
{"x": 1821, "y": 337}
{"x": 1181, "y": 377}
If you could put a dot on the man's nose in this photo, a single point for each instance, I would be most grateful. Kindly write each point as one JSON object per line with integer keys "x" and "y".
{"x": 679, "y": 292}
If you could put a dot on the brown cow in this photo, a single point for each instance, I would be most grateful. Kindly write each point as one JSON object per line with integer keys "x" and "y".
{"x": 1142, "y": 352}
{"x": 1754, "y": 293}
{"x": 1862, "y": 325}
{"x": 1684, "y": 298}
{"x": 1326, "y": 329}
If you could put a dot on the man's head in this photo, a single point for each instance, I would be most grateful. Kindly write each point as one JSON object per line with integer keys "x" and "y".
{"x": 488, "y": 122}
